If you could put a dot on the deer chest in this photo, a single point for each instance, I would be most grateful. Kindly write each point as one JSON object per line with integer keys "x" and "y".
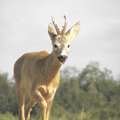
{"x": 47, "y": 92}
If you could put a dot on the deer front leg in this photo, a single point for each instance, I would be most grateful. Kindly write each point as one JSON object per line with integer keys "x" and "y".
{"x": 42, "y": 102}
{"x": 49, "y": 103}
{"x": 50, "y": 97}
{"x": 21, "y": 108}
{"x": 28, "y": 108}
{"x": 21, "y": 102}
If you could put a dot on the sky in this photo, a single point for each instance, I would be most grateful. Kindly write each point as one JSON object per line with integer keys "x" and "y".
{"x": 24, "y": 25}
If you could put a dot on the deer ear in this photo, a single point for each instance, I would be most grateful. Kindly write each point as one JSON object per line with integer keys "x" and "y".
{"x": 51, "y": 31}
{"x": 73, "y": 32}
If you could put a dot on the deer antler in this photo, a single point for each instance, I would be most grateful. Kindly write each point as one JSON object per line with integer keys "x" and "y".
{"x": 55, "y": 25}
{"x": 65, "y": 25}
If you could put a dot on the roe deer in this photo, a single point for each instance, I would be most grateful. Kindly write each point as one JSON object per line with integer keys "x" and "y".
{"x": 37, "y": 74}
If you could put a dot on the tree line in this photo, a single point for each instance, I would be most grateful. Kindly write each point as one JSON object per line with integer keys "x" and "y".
{"x": 87, "y": 94}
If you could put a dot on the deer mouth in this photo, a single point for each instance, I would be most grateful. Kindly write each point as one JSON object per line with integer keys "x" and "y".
{"x": 62, "y": 59}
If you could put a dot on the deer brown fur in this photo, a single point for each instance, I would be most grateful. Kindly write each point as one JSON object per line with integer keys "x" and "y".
{"x": 37, "y": 74}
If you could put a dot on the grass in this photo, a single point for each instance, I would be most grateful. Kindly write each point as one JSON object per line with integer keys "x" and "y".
{"x": 8, "y": 116}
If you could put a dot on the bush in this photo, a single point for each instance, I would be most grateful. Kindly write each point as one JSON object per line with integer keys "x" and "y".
{"x": 8, "y": 116}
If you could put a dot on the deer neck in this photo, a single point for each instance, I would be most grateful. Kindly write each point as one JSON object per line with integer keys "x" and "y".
{"x": 53, "y": 62}
{"x": 51, "y": 66}
{"x": 53, "y": 69}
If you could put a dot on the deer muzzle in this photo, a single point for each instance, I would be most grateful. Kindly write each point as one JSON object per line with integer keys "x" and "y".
{"x": 62, "y": 58}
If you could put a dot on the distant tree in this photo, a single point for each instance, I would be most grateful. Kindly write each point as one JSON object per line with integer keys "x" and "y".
{"x": 69, "y": 72}
{"x": 94, "y": 89}
{"x": 92, "y": 92}
{"x": 7, "y": 95}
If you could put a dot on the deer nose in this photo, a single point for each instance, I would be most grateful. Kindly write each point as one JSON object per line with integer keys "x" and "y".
{"x": 62, "y": 58}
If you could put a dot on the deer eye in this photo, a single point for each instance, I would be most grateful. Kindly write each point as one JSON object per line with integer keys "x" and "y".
{"x": 68, "y": 46}
{"x": 55, "y": 46}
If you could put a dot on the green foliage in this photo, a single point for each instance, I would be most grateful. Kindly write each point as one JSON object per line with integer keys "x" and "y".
{"x": 8, "y": 116}
{"x": 89, "y": 94}
{"x": 93, "y": 89}
{"x": 7, "y": 95}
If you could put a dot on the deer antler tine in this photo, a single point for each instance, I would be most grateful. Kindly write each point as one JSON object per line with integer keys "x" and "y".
{"x": 55, "y": 25}
{"x": 65, "y": 25}
{"x": 53, "y": 18}
{"x": 65, "y": 16}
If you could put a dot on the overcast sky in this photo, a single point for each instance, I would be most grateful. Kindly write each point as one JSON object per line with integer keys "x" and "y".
{"x": 24, "y": 24}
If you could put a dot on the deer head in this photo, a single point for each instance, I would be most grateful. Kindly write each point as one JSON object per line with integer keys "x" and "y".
{"x": 61, "y": 39}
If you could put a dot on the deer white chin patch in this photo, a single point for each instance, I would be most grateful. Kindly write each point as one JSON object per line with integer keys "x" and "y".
{"x": 62, "y": 61}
